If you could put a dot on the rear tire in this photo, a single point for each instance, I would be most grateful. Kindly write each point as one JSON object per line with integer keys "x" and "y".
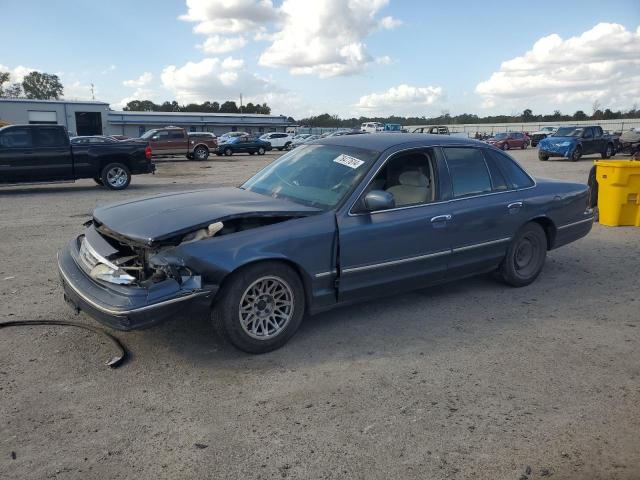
{"x": 287, "y": 146}
{"x": 608, "y": 151}
{"x": 259, "y": 307}
{"x": 200, "y": 153}
{"x": 525, "y": 257}
{"x": 98, "y": 182}
{"x": 116, "y": 176}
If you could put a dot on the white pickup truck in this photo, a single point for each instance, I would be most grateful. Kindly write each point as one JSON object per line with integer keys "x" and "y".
{"x": 278, "y": 140}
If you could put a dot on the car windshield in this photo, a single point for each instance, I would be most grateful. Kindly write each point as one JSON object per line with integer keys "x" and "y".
{"x": 568, "y": 132}
{"x": 547, "y": 129}
{"x": 499, "y": 136}
{"x": 314, "y": 175}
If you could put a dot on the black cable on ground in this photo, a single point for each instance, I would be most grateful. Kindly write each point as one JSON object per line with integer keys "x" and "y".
{"x": 114, "y": 362}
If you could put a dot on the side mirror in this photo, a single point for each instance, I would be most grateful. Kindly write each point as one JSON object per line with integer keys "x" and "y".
{"x": 378, "y": 200}
{"x": 155, "y": 137}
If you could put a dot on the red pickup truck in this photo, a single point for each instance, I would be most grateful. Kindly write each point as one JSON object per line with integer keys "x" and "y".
{"x": 177, "y": 141}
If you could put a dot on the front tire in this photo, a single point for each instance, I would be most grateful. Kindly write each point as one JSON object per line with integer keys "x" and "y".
{"x": 260, "y": 307}
{"x": 525, "y": 257}
{"x": 505, "y": 146}
{"x": 228, "y": 152}
{"x": 261, "y": 151}
{"x": 542, "y": 157}
{"x": 98, "y": 181}
{"x": 116, "y": 176}
{"x": 576, "y": 154}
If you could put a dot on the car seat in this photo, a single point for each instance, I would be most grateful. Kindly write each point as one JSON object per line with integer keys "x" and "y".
{"x": 413, "y": 188}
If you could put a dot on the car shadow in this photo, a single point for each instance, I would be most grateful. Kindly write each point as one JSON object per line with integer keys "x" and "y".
{"x": 425, "y": 319}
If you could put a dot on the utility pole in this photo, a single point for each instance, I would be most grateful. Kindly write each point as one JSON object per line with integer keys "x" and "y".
{"x": 240, "y": 103}
{"x": 93, "y": 97}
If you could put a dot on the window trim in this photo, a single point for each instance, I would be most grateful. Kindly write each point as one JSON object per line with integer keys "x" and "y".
{"x": 350, "y": 212}
{"x": 435, "y": 180}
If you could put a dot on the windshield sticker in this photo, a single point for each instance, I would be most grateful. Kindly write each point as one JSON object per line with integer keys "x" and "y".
{"x": 351, "y": 162}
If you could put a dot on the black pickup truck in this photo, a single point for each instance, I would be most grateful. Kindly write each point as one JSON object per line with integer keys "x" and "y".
{"x": 43, "y": 154}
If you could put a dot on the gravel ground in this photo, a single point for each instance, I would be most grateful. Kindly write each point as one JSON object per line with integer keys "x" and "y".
{"x": 471, "y": 380}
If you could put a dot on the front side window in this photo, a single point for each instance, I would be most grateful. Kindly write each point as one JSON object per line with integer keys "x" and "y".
{"x": 409, "y": 177}
{"x": 468, "y": 170}
{"x": 315, "y": 175}
{"x": 16, "y": 138}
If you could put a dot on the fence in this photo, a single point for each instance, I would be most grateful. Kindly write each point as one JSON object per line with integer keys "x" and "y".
{"x": 470, "y": 129}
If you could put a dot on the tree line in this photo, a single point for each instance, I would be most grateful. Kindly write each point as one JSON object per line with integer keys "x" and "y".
{"x": 35, "y": 85}
{"x": 328, "y": 120}
{"x": 206, "y": 107}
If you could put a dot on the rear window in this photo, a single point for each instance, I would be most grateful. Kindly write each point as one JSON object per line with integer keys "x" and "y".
{"x": 16, "y": 138}
{"x": 515, "y": 174}
{"x": 469, "y": 173}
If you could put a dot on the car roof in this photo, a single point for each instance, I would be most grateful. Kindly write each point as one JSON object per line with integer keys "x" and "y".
{"x": 383, "y": 141}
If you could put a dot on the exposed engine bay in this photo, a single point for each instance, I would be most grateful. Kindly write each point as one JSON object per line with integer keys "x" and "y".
{"x": 107, "y": 256}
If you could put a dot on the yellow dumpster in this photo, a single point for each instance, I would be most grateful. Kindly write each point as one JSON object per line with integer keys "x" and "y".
{"x": 618, "y": 192}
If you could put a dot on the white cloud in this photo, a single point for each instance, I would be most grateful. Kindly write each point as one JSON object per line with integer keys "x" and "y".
{"x": 324, "y": 38}
{"x": 603, "y": 63}
{"x": 18, "y": 73}
{"x": 141, "y": 81}
{"x": 403, "y": 99}
{"x": 389, "y": 23}
{"x": 214, "y": 79}
{"x": 384, "y": 60}
{"x": 213, "y": 17}
{"x": 218, "y": 44}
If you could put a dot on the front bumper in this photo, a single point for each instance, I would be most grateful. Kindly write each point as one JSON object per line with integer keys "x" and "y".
{"x": 555, "y": 151}
{"x": 127, "y": 307}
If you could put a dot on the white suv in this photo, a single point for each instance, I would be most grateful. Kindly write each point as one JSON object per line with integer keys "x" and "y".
{"x": 281, "y": 141}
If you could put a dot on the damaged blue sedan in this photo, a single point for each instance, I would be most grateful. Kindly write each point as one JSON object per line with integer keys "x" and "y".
{"x": 336, "y": 221}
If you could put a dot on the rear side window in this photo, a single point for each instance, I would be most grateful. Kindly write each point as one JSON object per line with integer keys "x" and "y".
{"x": 469, "y": 173}
{"x": 50, "y": 137}
{"x": 176, "y": 134}
{"x": 515, "y": 174}
{"x": 16, "y": 138}
{"x": 498, "y": 180}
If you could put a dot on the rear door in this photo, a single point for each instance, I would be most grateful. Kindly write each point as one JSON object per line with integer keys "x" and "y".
{"x": 588, "y": 142}
{"x": 52, "y": 154}
{"x": 599, "y": 141}
{"x": 486, "y": 210}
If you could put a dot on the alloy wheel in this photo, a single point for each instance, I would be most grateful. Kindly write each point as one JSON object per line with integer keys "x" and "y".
{"x": 117, "y": 177}
{"x": 266, "y": 307}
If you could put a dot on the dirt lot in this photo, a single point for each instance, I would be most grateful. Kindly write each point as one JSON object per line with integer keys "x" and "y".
{"x": 472, "y": 380}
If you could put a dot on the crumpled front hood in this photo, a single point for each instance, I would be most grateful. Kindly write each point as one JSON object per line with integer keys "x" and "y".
{"x": 153, "y": 219}
{"x": 557, "y": 144}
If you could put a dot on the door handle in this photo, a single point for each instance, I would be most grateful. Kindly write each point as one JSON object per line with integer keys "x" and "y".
{"x": 440, "y": 218}
{"x": 515, "y": 205}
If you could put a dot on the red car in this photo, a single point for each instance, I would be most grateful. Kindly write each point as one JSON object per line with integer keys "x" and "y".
{"x": 507, "y": 140}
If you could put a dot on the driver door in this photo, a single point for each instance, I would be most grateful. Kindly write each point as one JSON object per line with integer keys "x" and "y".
{"x": 401, "y": 248}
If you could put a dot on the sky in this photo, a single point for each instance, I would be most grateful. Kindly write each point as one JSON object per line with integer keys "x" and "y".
{"x": 344, "y": 57}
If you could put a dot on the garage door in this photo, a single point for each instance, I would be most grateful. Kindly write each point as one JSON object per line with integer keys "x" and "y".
{"x": 36, "y": 116}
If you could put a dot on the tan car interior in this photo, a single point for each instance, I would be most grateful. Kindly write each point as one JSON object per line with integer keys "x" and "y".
{"x": 408, "y": 177}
